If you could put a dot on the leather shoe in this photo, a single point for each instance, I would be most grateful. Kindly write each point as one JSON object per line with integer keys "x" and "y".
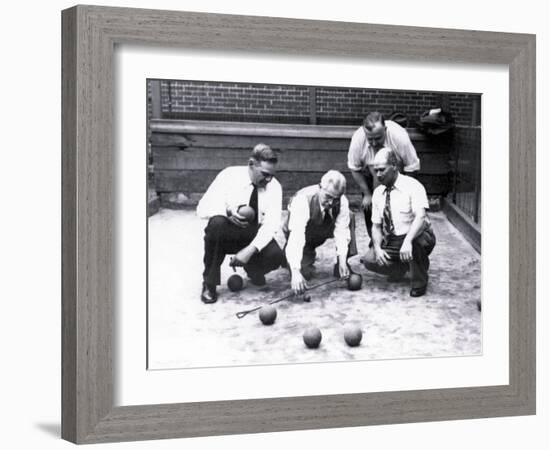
{"x": 257, "y": 279}
{"x": 209, "y": 294}
{"x": 418, "y": 292}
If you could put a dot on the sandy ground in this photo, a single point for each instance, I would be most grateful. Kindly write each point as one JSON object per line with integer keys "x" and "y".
{"x": 184, "y": 332}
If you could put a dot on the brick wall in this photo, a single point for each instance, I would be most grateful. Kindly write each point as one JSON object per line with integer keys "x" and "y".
{"x": 292, "y": 104}
{"x": 236, "y": 101}
{"x": 343, "y": 106}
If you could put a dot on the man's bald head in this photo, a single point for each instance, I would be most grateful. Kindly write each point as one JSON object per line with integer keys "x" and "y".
{"x": 375, "y": 130}
{"x": 385, "y": 165}
{"x": 385, "y": 156}
{"x": 374, "y": 120}
{"x": 332, "y": 187}
{"x": 334, "y": 182}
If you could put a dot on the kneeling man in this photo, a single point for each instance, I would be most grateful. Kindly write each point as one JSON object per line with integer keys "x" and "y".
{"x": 317, "y": 213}
{"x": 229, "y": 232}
{"x": 402, "y": 235}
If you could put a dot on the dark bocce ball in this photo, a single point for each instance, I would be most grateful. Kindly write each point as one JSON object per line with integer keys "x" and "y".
{"x": 235, "y": 283}
{"x": 312, "y": 337}
{"x": 248, "y": 213}
{"x": 352, "y": 336}
{"x": 268, "y": 314}
{"x": 355, "y": 282}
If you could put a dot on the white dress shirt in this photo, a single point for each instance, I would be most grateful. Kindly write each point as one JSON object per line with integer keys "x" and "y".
{"x": 407, "y": 198}
{"x": 361, "y": 155}
{"x": 299, "y": 216}
{"x": 232, "y": 188}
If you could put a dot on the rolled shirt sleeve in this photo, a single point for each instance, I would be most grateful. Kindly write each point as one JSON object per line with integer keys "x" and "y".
{"x": 355, "y": 152}
{"x": 400, "y": 142}
{"x": 213, "y": 202}
{"x": 270, "y": 203}
{"x": 341, "y": 228}
{"x": 419, "y": 198}
{"x": 297, "y": 222}
{"x": 377, "y": 205}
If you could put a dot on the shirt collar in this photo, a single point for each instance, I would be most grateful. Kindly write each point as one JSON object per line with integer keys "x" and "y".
{"x": 397, "y": 184}
{"x": 321, "y": 207}
{"x": 249, "y": 181}
{"x": 259, "y": 188}
{"x": 319, "y": 197}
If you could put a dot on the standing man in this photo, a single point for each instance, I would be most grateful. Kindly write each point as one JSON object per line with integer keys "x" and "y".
{"x": 229, "y": 232}
{"x": 374, "y": 134}
{"x": 401, "y": 233}
{"x": 317, "y": 213}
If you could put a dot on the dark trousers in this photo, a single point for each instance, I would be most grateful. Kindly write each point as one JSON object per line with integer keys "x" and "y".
{"x": 422, "y": 246}
{"x": 309, "y": 254}
{"x": 221, "y": 238}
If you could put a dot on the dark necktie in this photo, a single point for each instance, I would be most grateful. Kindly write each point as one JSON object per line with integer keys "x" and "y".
{"x": 326, "y": 216}
{"x": 387, "y": 220}
{"x": 253, "y": 203}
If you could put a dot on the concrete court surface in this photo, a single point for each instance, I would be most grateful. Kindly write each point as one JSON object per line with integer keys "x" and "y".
{"x": 184, "y": 332}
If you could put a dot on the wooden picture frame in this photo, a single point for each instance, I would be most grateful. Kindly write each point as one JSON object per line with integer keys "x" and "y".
{"x": 90, "y": 34}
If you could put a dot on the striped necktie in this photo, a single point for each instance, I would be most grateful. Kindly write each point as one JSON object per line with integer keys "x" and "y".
{"x": 387, "y": 220}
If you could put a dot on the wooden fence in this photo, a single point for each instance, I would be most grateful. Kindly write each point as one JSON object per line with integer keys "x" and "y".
{"x": 186, "y": 155}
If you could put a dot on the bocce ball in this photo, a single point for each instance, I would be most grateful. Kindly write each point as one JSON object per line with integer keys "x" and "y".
{"x": 235, "y": 283}
{"x": 354, "y": 282}
{"x": 352, "y": 336}
{"x": 247, "y": 212}
{"x": 268, "y": 314}
{"x": 312, "y": 337}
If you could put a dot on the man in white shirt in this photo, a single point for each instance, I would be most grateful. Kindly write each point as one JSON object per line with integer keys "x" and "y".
{"x": 228, "y": 232}
{"x": 374, "y": 134}
{"x": 401, "y": 233}
{"x": 317, "y": 213}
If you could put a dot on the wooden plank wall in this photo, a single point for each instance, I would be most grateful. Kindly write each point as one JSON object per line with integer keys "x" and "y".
{"x": 187, "y": 155}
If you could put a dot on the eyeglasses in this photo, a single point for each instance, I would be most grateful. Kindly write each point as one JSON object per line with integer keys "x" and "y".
{"x": 329, "y": 197}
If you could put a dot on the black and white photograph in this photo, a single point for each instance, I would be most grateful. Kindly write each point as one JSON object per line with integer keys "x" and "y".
{"x": 131, "y": 129}
{"x": 306, "y": 224}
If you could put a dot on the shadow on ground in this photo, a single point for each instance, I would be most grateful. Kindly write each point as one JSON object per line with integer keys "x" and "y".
{"x": 184, "y": 332}
{"x": 52, "y": 429}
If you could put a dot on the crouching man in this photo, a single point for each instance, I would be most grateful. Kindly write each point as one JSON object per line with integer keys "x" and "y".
{"x": 317, "y": 213}
{"x": 402, "y": 235}
{"x": 250, "y": 238}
